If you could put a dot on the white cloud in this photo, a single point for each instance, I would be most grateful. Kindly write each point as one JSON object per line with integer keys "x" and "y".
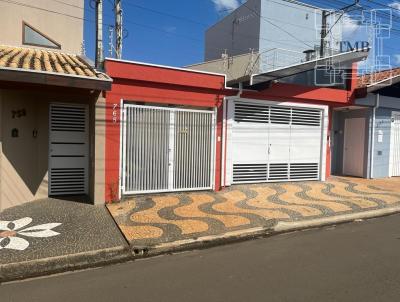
{"x": 227, "y": 4}
{"x": 395, "y": 5}
{"x": 349, "y": 24}
{"x": 170, "y": 29}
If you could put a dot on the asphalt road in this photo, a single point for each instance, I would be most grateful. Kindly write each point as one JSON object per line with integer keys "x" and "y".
{"x": 352, "y": 262}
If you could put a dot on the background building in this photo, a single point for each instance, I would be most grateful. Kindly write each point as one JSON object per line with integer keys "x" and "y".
{"x": 279, "y": 30}
{"x": 34, "y": 23}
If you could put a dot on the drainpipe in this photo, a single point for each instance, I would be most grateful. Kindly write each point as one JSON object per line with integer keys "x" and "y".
{"x": 240, "y": 90}
{"x": 372, "y": 151}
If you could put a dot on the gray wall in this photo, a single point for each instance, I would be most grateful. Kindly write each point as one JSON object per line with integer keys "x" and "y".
{"x": 382, "y": 149}
{"x": 338, "y": 138}
{"x": 383, "y": 115}
{"x": 297, "y": 19}
{"x": 237, "y": 32}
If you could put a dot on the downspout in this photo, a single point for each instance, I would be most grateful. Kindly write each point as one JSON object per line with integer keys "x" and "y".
{"x": 372, "y": 151}
{"x": 239, "y": 94}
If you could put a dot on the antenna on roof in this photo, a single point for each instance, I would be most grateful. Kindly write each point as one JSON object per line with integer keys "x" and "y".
{"x": 324, "y": 29}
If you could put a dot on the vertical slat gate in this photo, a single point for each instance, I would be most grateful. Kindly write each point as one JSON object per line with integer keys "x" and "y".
{"x": 193, "y": 139}
{"x": 166, "y": 149}
{"x": 68, "y": 150}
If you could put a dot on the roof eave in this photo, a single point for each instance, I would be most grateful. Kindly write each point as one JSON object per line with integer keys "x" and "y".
{"x": 383, "y": 84}
{"x": 54, "y": 79}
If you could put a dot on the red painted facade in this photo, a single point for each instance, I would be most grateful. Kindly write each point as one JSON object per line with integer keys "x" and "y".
{"x": 155, "y": 85}
{"x": 164, "y": 85}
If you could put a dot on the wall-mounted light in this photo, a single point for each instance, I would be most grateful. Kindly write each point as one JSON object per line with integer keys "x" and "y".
{"x": 14, "y": 132}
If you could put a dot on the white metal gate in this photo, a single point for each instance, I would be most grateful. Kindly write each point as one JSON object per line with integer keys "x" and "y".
{"x": 274, "y": 143}
{"x": 68, "y": 150}
{"x": 395, "y": 145}
{"x": 167, "y": 149}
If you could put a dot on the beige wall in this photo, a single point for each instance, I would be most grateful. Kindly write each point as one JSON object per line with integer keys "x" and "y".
{"x": 24, "y": 160}
{"x": 99, "y": 151}
{"x": 234, "y": 67}
{"x": 65, "y": 30}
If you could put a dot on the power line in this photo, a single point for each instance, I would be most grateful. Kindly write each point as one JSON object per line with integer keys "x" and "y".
{"x": 146, "y": 26}
{"x": 165, "y": 14}
{"x": 43, "y": 9}
{"x": 68, "y": 4}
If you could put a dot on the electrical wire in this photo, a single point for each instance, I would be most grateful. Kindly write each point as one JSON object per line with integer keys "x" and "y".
{"x": 276, "y": 26}
{"x": 178, "y": 17}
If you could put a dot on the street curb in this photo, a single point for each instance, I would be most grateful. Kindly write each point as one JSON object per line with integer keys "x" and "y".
{"x": 283, "y": 227}
{"x": 60, "y": 264}
{"x": 242, "y": 235}
{"x": 204, "y": 242}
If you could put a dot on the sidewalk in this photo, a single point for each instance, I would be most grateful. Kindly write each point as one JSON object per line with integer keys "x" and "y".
{"x": 50, "y": 236}
{"x": 167, "y": 221}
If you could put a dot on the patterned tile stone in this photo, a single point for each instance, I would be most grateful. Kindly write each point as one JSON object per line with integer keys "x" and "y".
{"x": 53, "y": 228}
{"x": 153, "y": 219}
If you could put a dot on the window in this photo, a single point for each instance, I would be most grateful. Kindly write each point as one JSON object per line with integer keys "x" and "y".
{"x": 31, "y": 36}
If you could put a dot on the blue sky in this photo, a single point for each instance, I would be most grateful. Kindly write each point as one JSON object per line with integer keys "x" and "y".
{"x": 172, "y": 32}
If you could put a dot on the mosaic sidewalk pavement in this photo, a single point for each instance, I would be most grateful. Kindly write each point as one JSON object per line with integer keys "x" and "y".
{"x": 53, "y": 228}
{"x": 154, "y": 219}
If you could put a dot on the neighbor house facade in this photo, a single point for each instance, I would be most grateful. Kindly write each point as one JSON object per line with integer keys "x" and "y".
{"x": 366, "y": 133}
{"x": 51, "y": 106}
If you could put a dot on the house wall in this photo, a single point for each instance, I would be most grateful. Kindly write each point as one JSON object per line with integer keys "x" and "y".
{"x": 236, "y": 33}
{"x": 337, "y": 135}
{"x": 98, "y": 161}
{"x": 155, "y": 85}
{"x": 65, "y": 27}
{"x": 1, "y": 150}
{"x": 382, "y": 134}
{"x": 234, "y": 68}
{"x": 24, "y": 160}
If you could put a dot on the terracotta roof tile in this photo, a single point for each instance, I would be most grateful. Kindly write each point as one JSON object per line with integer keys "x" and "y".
{"x": 46, "y": 61}
{"x": 368, "y": 79}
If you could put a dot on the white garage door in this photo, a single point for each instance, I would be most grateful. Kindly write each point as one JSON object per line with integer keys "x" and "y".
{"x": 275, "y": 143}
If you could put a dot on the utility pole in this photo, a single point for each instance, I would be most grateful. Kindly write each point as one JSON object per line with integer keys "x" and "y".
{"x": 325, "y": 31}
{"x": 111, "y": 40}
{"x": 99, "y": 35}
{"x": 118, "y": 29}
